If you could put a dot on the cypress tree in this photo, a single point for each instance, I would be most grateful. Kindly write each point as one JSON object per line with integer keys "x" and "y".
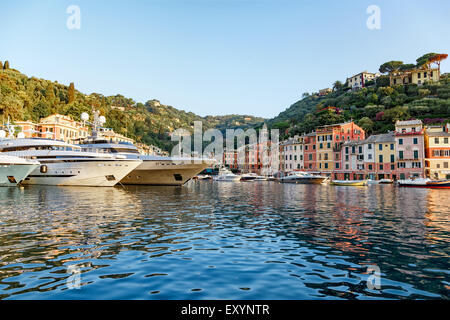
{"x": 6, "y": 65}
{"x": 71, "y": 92}
{"x": 1, "y": 65}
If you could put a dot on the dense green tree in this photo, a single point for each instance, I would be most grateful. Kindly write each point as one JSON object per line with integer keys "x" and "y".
{"x": 390, "y": 66}
{"x": 6, "y": 65}
{"x": 425, "y": 59}
{"x": 406, "y": 67}
{"x": 366, "y": 124}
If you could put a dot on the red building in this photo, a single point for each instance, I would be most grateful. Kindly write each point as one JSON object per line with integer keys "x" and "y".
{"x": 309, "y": 152}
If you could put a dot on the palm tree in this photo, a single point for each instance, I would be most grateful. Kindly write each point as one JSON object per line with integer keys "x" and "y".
{"x": 337, "y": 85}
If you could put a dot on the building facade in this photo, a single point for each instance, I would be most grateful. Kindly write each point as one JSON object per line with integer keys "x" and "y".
{"x": 415, "y": 76}
{"x": 292, "y": 154}
{"x": 409, "y": 145}
{"x": 309, "y": 152}
{"x": 359, "y": 80}
{"x": 330, "y": 140}
{"x": 437, "y": 152}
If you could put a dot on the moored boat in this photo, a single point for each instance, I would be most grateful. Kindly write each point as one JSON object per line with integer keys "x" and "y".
{"x": 413, "y": 183}
{"x": 14, "y": 170}
{"x": 301, "y": 177}
{"x": 440, "y": 184}
{"x": 248, "y": 177}
{"x": 63, "y": 164}
{"x": 226, "y": 175}
{"x": 353, "y": 183}
{"x": 153, "y": 170}
{"x": 202, "y": 177}
{"x": 425, "y": 183}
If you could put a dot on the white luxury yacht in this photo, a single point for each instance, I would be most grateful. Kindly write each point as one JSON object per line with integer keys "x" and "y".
{"x": 64, "y": 164}
{"x": 14, "y": 169}
{"x": 154, "y": 170}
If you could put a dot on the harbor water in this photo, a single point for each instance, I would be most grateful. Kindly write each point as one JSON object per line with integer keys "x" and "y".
{"x": 224, "y": 240}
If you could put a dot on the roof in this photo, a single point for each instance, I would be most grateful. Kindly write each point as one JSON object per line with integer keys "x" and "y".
{"x": 438, "y": 134}
{"x": 380, "y": 138}
{"x": 408, "y": 122}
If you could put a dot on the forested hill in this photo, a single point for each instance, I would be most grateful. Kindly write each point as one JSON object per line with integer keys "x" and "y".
{"x": 375, "y": 107}
{"x": 30, "y": 98}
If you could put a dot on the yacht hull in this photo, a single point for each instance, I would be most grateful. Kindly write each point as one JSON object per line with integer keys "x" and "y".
{"x": 349, "y": 183}
{"x": 164, "y": 173}
{"x": 82, "y": 173}
{"x": 304, "y": 180}
{"x": 13, "y": 174}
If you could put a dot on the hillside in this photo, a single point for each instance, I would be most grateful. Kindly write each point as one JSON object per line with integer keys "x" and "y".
{"x": 375, "y": 107}
{"x": 30, "y": 98}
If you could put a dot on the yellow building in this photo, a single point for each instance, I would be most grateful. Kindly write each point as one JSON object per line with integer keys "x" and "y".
{"x": 437, "y": 152}
{"x": 324, "y": 150}
{"x": 415, "y": 76}
{"x": 384, "y": 145}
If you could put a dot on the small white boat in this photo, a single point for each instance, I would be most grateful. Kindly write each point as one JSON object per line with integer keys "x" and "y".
{"x": 226, "y": 175}
{"x": 203, "y": 177}
{"x": 417, "y": 182}
{"x": 301, "y": 177}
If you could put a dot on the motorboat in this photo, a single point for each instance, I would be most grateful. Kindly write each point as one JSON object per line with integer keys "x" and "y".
{"x": 64, "y": 164}
{"x": 439, "y": 184}
{"x": 414, "y": 182}
{"x": 154, "y": 170}
{"x": 353, "y": 183}
{"x": 386, "y": 181}
{"x": 261, "y": 178}
{"x": 301, "y": 177}
{"x": 248, "y": 177}
{"x": 202, "y": 177}
{"x": 13, "y": 170}
{"x": 424, "y": 183}
{"x": 226, "y": 175}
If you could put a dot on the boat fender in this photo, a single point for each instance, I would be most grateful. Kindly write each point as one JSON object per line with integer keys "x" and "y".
{"x": 44, "y": 169}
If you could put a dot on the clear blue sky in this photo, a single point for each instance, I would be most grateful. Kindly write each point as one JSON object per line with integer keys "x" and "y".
{"x": 216, "y": 57}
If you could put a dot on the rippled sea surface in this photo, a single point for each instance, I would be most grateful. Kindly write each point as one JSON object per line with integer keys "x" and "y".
{"x": 222, "y": 240}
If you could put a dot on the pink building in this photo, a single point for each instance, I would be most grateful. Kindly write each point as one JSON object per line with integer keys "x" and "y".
{"x": 409, "y": 144}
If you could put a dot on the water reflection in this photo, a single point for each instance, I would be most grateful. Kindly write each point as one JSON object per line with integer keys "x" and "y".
{"x": 257, "y": 240}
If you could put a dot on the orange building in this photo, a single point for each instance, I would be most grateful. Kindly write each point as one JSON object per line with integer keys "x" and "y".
{"x": 437, "y": 152}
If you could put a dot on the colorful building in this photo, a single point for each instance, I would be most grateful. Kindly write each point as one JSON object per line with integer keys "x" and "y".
{"x": 309, "y": 152}
{"x": 409, "y": 145}
{"x": 292, "y": 154}
{"x": 330, "y": 139}
{"x": 415, "y": 76}
{"x": 437, "y": 152}
{"x": 55, "y": 126}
